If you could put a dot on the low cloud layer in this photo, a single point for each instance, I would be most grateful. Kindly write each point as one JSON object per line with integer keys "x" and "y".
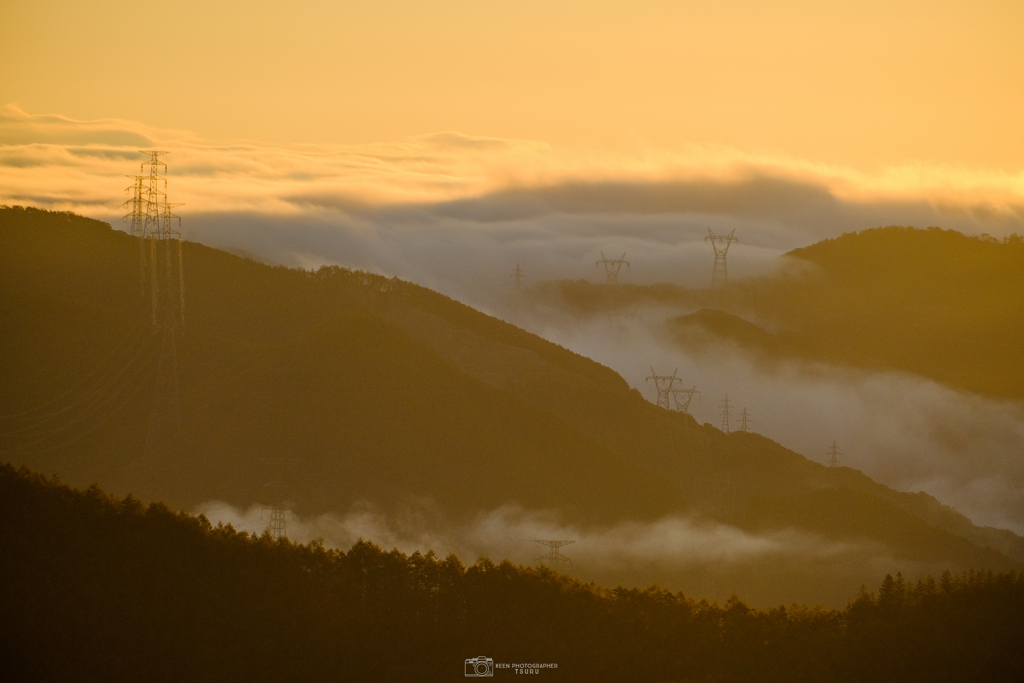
{"x": 71, "y": 164}
{"x": 457, "y": 213}
{"x": 902, "y": 430}
{"x": 511, "y": 533}
{"x": 700, "y": 557}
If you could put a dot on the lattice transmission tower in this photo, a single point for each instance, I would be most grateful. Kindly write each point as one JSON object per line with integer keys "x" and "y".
{"x": 278, "y": 473}
{"x": 726, "y": 410}
{"x": 153, "y": 220}
{"x": 721, "y": 244}
{"x": 554, "y": 559}
{"x": 682, "y": 398}
{"x": 161, "y": 268}
{"x": 517, "y": 278}
{"x": 664, "y": 385}
{"x": 833, "y": 462}
{"x": 137, "y": 216}
{"x": 745, "y": 421}
{"x": 612, "y": 267}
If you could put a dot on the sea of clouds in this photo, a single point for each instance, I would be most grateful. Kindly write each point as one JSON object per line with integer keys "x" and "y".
{"x": 457, "y": 213}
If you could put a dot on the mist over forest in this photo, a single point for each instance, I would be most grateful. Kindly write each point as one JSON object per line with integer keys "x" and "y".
{"x": 416, "y": 422}
{"x": 639, "y": 342}
{"x": 902, "y": 428}
{"x": 351, "y": 317}
{"x": 509, "y": 202}
{"x": 365, "y": 373}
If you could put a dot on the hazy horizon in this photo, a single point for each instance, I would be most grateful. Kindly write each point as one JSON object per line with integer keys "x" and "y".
{"x": 456, "y": 214}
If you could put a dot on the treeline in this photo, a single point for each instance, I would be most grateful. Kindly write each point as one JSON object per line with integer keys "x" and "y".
{"x": 94, "y": 588}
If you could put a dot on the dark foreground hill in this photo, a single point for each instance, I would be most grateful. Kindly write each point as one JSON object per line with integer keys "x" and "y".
{"x": 351, "y": 387}
{"x": 95, "y": 588}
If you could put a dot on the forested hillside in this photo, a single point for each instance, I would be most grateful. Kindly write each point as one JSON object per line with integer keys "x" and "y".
{"x": 97, "y": 588}
{"x": 933, "y": 302}
{"x": 376, "y": 390}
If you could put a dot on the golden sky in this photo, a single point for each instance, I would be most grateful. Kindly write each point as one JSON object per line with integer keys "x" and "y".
{"x": 866, "y": 84}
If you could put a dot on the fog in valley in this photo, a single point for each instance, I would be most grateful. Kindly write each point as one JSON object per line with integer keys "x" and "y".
{"x": 905, "y": 431}
{"x": 457, "y": 213}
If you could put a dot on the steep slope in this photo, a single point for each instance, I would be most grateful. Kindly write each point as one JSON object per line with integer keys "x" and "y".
{"x": 351, "y": 387}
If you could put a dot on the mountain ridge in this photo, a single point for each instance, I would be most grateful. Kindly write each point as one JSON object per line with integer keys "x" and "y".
{"x": 380, "y": 390}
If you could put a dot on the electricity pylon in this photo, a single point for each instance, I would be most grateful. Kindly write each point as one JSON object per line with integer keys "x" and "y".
{"x": 725, "y": 406}
{"x": 278, "y": 470}
{"x": 137, "y": 215}
{"x": 720, "y": 274}
{"x": 833, "y": 462}
{"x": 664, "y": 384}
{"x": 137, "y": 227}
{"x": 745, "y": 421}
{"x": 152, "y": 223}
{"x": 167, "y": 303}
{"x": 517, "y": 278}
{"x": 612, "y": 267}
{"x": 154, "y": 190}
{"x": 554, "y": 559}
{"x": 683, "y": 404}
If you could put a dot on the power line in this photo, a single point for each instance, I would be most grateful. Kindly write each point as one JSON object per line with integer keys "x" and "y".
{"x": 96, "y": 407}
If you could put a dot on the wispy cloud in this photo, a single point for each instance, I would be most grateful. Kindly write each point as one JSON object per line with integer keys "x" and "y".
{"x": 75, "y": 164}
{"x": 697, "y": 556}
{"x": 511, "y": 532}
{"x": 903, "y": 430}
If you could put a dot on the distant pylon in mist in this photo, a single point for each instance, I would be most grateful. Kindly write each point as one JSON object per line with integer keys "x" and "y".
{"x": 833, "y": 462}
{"x": 720, "y": 273}
{"x": 554, "y": 559}
{"x": 517, "y": 278}
{"x": 278, "y": 473}
{"x": 745, "y": 421}
{"x": 612, "y": 267}
{"x": 664, "y": 385}
{"x": 726, "y": 409}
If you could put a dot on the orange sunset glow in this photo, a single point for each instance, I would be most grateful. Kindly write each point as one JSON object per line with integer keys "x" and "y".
{"x": 427, "y": 340}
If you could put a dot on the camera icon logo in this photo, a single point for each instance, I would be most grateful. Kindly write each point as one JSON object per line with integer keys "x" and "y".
{"x": 480, "y": 667}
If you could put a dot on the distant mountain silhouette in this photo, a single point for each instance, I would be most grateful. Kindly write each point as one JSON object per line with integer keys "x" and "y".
{"x": 374, "y": 389}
